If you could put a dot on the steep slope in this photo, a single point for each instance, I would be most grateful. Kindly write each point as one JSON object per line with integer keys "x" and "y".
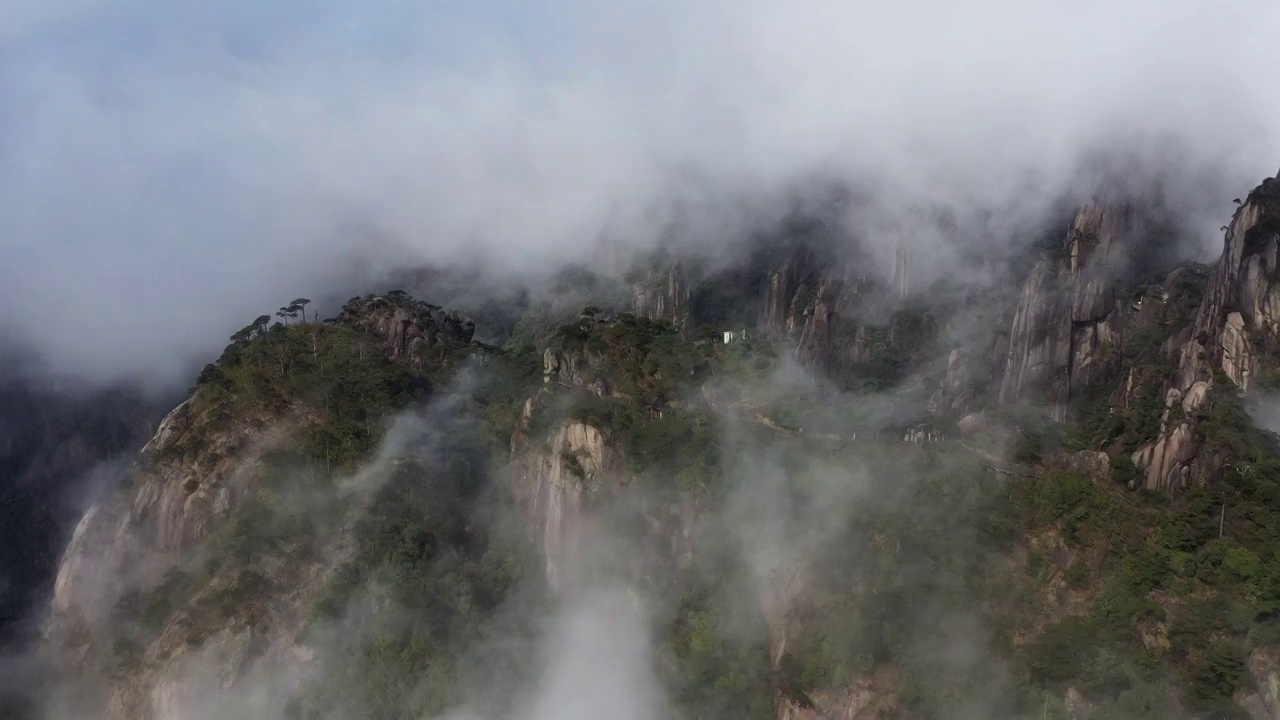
{"x": 1233, "y": 332}
{"x": 243, "y": 514}
{"x": 1091, "y": 336}
{"x": 920, "y": 583}
{"x": 373, "y": 517}
{"x": 609, "y": 385}
{"x": 51, "y": 439}
{"x": 1066, "y": 329}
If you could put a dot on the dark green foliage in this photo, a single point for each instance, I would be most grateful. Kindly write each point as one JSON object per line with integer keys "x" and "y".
{"x": 124, "y": 655}
{"x": 1214, "y": 547}
{"x": 883, "y": 368}
{"x": 1037, "y": 434}
{"x": 1141, "y": 701}
{"x": 1062, "y": 650}
{"x": 1226, "y": 427}
{"x": 1190, "y": 631}
{"x": 913, "y": 573}
{"x": 587, "y": 407}
{"x": 1186, "y": 294}
{"x": 574, "y": 336}
{"x": 1036, "y": 564}
{"x": 340, "y": 373}
{"x": 1125, "y": 472}
{"x": 439, "y": 574}
{"x": 1266, "y": 197}
{"x": 912, "y": 330}
{"x": 1216, "y": 678}
{"x": 906, "y": 566}
{"x": 503, "y": 381}
{"x": 1055, "y": 496}
{"x": 427, "y": 543}
{"x": 892, "y": 344}
{"x": 833, "y": 644}
{"x": 723, "y": 660}
{"x": 537, "y": 329}
{"x": 645, "y": 360}
{"x": 676, "y": 445}
{"x": 1101, "y": 424}
{"x": 1029, "y": 447}
{"x": 648, "y": 368}
{"x": 165, "y": 598}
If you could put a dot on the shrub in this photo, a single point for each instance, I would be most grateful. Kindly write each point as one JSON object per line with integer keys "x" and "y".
{"x": 1125, "y": 472}
{"x": 1062, "y": 650}
{"x": 1216, "y": 678}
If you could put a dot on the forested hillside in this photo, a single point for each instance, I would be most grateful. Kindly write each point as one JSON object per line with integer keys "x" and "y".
{"x": 823, "y": 494}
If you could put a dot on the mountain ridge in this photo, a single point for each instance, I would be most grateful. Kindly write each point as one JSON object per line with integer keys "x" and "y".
{"x": 322, "y": 473}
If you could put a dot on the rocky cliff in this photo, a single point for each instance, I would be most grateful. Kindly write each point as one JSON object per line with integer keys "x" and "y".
{"x": 178, "y": 585}
{"x": 1067, "y": 330}
{"x": 413, "y": 332}
{"x": 1239, "y": 306}
{"x": 811, "y": 539}
{"x": 1234, "y": 329}
{"x": 51, "y": 441}
{"x": 664, "y": 295}
{"x": 570, "y": 466}
{"x": 1062, "y": 334}
{"x": 553, "y": 482}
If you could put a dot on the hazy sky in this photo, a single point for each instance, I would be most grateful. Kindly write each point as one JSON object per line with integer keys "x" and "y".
{"x": 170, "y": 169}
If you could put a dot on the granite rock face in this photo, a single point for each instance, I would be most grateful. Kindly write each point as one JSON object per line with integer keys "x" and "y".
{"x": 1236, "y": 323}
{"x": 551, "y": 483}
{"x": 1067, "y": 330}
{"x": 1263, "y": 701}
{"x": 664, "y": 295}
{"x": 184, "y": 486}
{"x": 410, "y": 330}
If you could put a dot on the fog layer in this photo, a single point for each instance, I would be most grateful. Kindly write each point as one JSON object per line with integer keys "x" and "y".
{"x": 166, "y": 170}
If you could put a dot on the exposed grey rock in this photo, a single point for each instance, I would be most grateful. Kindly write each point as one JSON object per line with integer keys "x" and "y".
{"x": 1078, "y": 706}
{"x": 183, "y": 491}
{"x": 664, "y": 296}
{"x": 1240, "y": 303}
{"x": 1242, "y": 295}
{"x": 129, "y": 541}
{"x": 1195, "y": 397}
{"x": 550, "y": 483}
{"x": 782, "y": 303}
{"x": 814, "y": 345}
{"x": 1167, "y": 459}
{"x": 1093, "y": 464}
{"x": 1238, "y": 356}
{"x": 1067, "y": 331}
{"x": 1263, "y": 701}
{"x": 409, "y": 329}
{"x": 972, "y": 423}
{"x": 1039, "y": 343}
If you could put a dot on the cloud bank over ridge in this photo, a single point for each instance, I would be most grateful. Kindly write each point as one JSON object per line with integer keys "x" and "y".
{"x": 168, "y": 171}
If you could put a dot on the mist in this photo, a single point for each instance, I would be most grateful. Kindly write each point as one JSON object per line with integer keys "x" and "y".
{"x": 169, "y": 169}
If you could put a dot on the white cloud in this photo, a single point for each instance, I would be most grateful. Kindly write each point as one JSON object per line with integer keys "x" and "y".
{"x": 155, "y": 192}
